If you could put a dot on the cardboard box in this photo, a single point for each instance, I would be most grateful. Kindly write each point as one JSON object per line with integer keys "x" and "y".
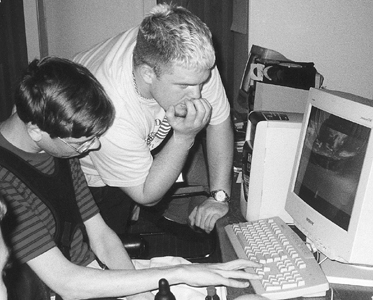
{"x": 271, "y": 97}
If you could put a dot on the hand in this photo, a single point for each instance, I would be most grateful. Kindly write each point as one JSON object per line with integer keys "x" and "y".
{"x": 206, "y": 214}
{"x": 190, "y": 118}
{"x": 230, "y": 274}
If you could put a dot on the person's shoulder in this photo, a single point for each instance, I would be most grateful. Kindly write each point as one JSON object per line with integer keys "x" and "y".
{"x": 115, "y": 44}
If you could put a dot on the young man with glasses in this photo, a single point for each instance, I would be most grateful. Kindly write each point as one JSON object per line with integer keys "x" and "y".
{"x": 53, "y": 224}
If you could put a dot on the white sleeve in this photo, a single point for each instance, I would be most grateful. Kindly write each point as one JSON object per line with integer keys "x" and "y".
{"x": 124, "y": 158}
{"x": 214, "y": 92}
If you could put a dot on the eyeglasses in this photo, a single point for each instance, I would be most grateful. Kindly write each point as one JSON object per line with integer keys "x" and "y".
{"x": 83, "y": 147}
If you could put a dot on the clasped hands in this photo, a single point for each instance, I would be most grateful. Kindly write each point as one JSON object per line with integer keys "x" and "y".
{"x": 189, "y": 117}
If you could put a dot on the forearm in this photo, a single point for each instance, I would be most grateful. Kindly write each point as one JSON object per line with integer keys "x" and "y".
{"x": 112, "y": 253}
{"x": 78, "y": 282}
{"x": 109, "y": 249}
{"x": 133, "y": 282}
{"x": 219, "y": 142}
{"x": 86, "y": 283}
{"x": 165, "y": 169}
{"x": 167, "y": 164}
{"x": 97, "y": 283}
{"x": 220, "y": 148}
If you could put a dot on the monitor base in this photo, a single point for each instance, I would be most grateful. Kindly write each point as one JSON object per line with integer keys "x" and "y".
{"x": 341, "y": 273}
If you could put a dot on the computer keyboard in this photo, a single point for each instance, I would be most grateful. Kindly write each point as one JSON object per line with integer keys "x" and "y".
{"x": 289, "y": 268}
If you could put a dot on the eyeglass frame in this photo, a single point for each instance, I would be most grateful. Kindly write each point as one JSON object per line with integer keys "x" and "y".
{"x": 83, "y": 147}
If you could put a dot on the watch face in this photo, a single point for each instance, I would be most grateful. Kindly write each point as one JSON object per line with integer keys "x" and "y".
{"x": 220, "y": 196}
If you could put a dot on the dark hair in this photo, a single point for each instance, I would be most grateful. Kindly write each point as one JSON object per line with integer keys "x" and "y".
{"x": 64, "y": 99}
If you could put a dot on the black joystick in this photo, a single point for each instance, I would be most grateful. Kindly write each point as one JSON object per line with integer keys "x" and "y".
{"x": 164, "y": 292}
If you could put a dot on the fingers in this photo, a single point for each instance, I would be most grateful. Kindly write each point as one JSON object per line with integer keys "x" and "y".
{"x": 181, "y": 110}
{"x": 171, "y": 112}
{"x": 238, "y": 264}
{"x": 238, "y": 279}
{"x": 193, "y": 109}
{"x": 204, "y": 106}
{"x": 198, "y": 110}
{"x": 204, "y": 221}
{"x": 237, "y": 284}
{"x": 189, "y": 118}
{"x": 230, "y": 274}
{"x": 192, "y": 217}
{"x": 210, "y": 223}
{"x": 206, "y": 214}
{"x": 200, "y": 105}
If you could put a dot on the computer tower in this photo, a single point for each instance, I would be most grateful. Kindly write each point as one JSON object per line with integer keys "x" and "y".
{"x": 268, "y": 158}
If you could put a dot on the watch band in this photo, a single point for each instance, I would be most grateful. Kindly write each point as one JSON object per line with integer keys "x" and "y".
{"x": 220, "y": 196}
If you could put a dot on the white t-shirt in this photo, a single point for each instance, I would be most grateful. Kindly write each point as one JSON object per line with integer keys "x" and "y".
{"x": 124, "y": 158}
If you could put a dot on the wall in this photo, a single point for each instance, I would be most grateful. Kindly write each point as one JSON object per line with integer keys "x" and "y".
{"x": 336, "y": 35}
{"x": 75, "y": 25}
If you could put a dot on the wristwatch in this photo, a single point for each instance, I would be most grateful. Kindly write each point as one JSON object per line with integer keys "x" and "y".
{"x": 220, "y": 196}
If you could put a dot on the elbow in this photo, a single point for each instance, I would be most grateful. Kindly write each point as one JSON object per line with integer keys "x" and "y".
{"x": 142, "y": 197}
{"x": 146, "y": 200}
{"x": 150, "y": 203}
{"x": 67, "y": 291}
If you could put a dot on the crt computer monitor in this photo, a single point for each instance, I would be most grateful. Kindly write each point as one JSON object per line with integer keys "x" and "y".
{"x": 330, "y": 195}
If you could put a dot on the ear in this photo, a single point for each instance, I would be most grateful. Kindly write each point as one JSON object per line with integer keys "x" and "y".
{"x": 34, "y": 132}
{"x": 147, "y": 73}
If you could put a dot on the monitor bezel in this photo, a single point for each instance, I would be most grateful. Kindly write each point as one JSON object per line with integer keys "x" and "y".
{"x": 330, "y": 239}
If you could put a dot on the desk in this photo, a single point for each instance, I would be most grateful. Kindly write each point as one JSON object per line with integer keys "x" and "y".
{"x": 340, "y": 292}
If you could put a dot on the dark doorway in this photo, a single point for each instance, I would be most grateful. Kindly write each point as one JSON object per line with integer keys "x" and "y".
{"x": 13, "y": 51}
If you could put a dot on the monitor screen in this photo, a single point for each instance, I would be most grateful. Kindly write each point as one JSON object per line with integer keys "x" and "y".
{"x": 332, "y": 158}
{"x": 331, "y": 188}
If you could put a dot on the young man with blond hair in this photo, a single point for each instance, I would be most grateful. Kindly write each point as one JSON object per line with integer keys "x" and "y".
{"x": 163, "y": 81}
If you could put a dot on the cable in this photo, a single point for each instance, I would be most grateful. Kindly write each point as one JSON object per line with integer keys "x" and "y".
{"x": 324, "y": 259}
{"x": 331, "y": 293}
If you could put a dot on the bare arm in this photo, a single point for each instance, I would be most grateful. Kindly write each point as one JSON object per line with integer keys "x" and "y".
{"x": 167, "y": 165}
{"x": 110, "y": 250}
{"x": 220, "y": 155}
{"x": 76, "y": 282}
{"x": 220, "y": 162}
{"x": 106, "y": 244}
